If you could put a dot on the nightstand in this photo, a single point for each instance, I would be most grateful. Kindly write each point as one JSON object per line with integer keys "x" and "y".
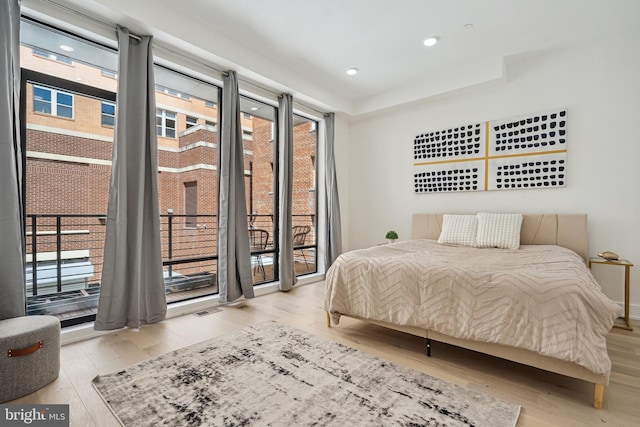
{"x": 627, "y": 266}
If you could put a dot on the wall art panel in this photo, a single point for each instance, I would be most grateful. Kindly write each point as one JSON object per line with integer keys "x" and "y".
{"x": 450, "y": 176}
{"x": 515, "y": 153}
{"x": 451, "y": 144}
{"x": 538, "y": 171}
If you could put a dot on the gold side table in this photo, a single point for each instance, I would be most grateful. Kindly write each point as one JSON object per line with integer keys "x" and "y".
{"x": 627, "y": 266}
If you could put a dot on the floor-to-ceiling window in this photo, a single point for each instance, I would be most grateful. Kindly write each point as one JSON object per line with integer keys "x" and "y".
{"x": 69, "y": 118}
{"x": 305, "y": 143}
{"x": 68, "y": 105}
{"x": 259, "y": 146}
{"x": 186, "y": 127}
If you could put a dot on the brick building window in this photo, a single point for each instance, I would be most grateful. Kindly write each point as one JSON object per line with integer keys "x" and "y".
{"x": 44, "y": 54}
{"x": 109, "y": 73}
{"x": 52, "y": 101}
{"x": 165, "y": 123}
{"x": 108, "y": 115}
{"x": 191, "y": 204}
{"x": 191, "y": 121}
{"x": 172, "y": 92}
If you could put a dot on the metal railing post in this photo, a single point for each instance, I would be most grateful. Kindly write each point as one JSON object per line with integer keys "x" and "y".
{"x": 170, "y": 242}
{"x": 34, "y": 256}
{"x": 59, "y": 252}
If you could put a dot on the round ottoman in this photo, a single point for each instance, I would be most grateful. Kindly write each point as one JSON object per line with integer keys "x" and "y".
{"x": 29, "y": 355}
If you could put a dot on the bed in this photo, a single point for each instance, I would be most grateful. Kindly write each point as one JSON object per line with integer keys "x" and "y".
{"x": 537, "y": 305}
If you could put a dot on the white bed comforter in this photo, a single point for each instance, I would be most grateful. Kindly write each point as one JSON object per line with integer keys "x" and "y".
{"x": 541, "y": 298}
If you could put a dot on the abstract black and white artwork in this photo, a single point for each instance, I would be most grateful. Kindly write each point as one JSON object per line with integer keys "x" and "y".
{"x": 465, "y": 176}
{"x": 460, "y": 142}
{"x": 515, "y": 153}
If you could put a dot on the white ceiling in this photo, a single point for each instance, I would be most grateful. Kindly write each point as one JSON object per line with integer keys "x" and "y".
{"x": 305, "y": 46}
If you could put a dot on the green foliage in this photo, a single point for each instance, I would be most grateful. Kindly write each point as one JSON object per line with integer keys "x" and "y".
{"x": 391, "y": 235}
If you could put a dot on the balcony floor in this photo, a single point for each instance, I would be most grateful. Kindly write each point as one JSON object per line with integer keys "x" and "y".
{"x": 56, "y": 307}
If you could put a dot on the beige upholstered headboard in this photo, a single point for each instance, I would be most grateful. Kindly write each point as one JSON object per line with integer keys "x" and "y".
{"x": 566, "y": 230}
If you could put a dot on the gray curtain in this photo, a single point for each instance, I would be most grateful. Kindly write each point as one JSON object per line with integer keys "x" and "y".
{"x": 12, "y": 286}
{"x": 285, "y": 136}
{"x": 333, "y": 242}
{"x": 132, "y": 291}
{"x": 234, "y": 255}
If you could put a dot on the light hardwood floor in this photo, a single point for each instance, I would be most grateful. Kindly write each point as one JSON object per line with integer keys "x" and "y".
{"x": 547, "y": 399}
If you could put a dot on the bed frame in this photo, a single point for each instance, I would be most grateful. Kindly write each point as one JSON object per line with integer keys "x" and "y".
{"x": 566, "y": 230}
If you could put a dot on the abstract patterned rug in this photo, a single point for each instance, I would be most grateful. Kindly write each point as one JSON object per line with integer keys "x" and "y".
{"x": 272, "y": 374}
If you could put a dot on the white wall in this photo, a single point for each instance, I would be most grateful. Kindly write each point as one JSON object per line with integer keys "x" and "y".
{"x": 598, "y": 84}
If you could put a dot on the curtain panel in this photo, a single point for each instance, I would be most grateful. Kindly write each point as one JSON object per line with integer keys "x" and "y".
{"x": 234, "y": 255}
{"x": 132, "y": 290}
{"x": 12, "y": 210}
{"x": 333, "y": 236}
{"x": 285, "y": 138}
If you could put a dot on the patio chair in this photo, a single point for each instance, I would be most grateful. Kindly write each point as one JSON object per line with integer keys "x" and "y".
{"x": 299, "y": 238}
{"x": 258, "y": 240}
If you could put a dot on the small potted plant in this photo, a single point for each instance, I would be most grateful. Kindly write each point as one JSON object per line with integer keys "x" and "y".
{"x": 391, "y": 236}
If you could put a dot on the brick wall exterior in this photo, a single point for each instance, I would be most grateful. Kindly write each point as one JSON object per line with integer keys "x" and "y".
{"x": 57, "y": 185}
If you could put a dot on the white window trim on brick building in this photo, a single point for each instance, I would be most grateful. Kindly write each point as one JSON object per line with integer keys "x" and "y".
{"x": 163, "y": 121}
{"x": 55, "y": 106}
{"x": 108, "y": 73}
{"x": 107, "y": 119}
{"x": 191, "y": 121}
{"x": 52, "y": 56}
{"x": 173, "y": 92}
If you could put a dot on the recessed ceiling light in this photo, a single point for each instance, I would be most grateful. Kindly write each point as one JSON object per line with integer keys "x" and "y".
{"x": 66, "y": 48}
{"x": 254, "y": 108}
{"x": 431, "y": 41}
{"x": 352, "y": 71}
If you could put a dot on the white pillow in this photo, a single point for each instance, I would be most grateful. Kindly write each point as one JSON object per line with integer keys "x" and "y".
{"x": 459, "y": 230}
{"x": 499, "y": 230}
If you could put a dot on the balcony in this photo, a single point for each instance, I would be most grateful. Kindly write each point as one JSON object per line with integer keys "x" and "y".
{"x": 69, "y": 251}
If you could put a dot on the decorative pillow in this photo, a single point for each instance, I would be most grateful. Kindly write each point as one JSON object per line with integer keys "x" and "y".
{"x": 459, "y": 230}
{"x": 499, "y": 230}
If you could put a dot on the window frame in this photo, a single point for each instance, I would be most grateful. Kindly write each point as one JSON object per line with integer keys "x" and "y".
{"x": 173, "y": 115}
{"x": 103, "y": 114}
{"x": 314, "y": 123}
{"x": 54, "y": 102}
{"x": 190, "y": 121}
{"x": 163, "y": 115}
{"x": 35, "y": 78}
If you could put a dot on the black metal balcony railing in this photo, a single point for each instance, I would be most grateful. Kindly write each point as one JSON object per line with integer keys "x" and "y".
{"x": 63, "y": 278}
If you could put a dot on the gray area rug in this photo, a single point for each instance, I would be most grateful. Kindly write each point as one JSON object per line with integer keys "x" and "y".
{"x": 272, "y": 374}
